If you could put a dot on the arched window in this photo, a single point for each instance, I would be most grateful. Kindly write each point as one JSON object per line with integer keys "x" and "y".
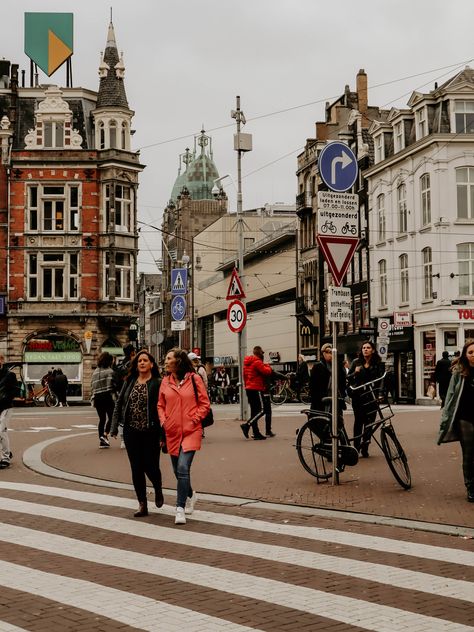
{"x": 124, "y": 135}
{"x": 466, "y": 268}
{"x": 404, "y": 285}
{"x": 381, "y": 221}
{"x": 101, "y": 135}
{"x": 425, "y": 199}
{"x": 402, "y": 208}
{"x": 427, "y": 273}
{"x": 113, "y": 134}
{"x": 383, "y": 283}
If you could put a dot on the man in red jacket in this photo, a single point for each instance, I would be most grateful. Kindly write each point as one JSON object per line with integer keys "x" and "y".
{"x": 255, "y": 374}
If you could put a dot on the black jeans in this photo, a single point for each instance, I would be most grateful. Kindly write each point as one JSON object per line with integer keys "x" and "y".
{"x": 363, "y": 417}
{"x": 267, "y": 407}
{"x": 143, "y": 449}
{"x": 466, "y": 433}
{"x": 256, "y": 409}
{"x": 104, "y": 405}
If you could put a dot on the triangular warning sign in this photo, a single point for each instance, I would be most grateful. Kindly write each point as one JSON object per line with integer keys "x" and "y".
{"x": 235, "y": 287}
{"x": 338, "y": 252}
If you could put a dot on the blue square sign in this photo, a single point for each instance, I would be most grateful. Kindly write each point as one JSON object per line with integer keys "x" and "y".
{"x": 179, "y": 281}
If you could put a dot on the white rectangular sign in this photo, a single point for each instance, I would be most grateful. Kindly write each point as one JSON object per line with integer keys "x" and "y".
{"x": 339, "y": 304}
{"x": 384, "y": 326}
{"x": 338, "y": 223}
{"x": 402, "y": 319}
{"x": 178, "y": 325}
{"x": 332, "y": 201}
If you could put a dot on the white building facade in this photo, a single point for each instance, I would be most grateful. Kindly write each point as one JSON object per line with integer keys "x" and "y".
{"x": 421, "y": 196}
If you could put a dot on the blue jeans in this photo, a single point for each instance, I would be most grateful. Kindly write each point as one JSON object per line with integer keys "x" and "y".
{"x": 182, "y": 467}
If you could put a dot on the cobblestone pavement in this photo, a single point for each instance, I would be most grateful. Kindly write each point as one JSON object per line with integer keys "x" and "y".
{"x": 73, "y": 558}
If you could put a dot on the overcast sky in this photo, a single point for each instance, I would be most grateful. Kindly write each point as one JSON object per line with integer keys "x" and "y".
{"x": 186, "y": 60}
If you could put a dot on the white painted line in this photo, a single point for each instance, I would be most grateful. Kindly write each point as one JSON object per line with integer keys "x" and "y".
{"x": 374, "y": 543}
{"x": 370, "y": 616}
{"x": 7, "y": 627}
{"x": 43, "y": 427}
{"x": 392, "y": 576}
{"x": 126, "y": 607}
{"x": 88, "y": 426}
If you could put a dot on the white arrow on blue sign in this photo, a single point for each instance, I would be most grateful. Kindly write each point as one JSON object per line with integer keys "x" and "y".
{"x": 338, "y": 166}
{"x": 178, "y": 308}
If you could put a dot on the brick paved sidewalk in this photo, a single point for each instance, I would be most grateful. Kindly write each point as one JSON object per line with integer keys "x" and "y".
{"x": 269, "y": 470}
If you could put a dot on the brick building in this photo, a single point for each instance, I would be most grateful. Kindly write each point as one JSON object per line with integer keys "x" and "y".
{"x": 68, "y": 238}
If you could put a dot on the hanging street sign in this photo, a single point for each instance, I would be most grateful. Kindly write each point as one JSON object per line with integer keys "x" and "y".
{"x": 338, "y": 252}
{"x": 339, "y": 223}
{"x": 338, "y": 166}
{"x": 179, "y": 281}
{"x": 178, "y": 325}
{"x": 334, "y": 201}
{"x": 339, "y": 304}
{"x": 49, "y": 39}
{"x": 236, "y": 316}
{"x": 178, "y": 308}
{"x": 235, "y": 289}
{"x": 402, "y": 319}
{"x": 383, "y": 326}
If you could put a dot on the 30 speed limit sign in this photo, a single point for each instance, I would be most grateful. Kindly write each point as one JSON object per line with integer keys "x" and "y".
{"x": 236, "y": 316}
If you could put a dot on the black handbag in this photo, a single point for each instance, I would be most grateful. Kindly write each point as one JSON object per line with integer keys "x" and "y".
{"x": 209, "y": 418}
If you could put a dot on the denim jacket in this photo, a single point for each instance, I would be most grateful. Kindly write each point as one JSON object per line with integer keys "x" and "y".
{"x": 447, "y": 430}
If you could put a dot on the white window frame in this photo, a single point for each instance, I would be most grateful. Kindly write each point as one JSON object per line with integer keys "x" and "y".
{"x": 465, "y": 191}
{"x": 54, "y": 134}
{"x": 64, "y": 215}
{"x": 464, "y": 117}
{"x": 399, "y": 136}
{"x": 402, "y": 209}
{"x": 382, "y": 265}
{"x": 465, "y": 254}
{"x": 124, "y": 276}
{"x": 381, "y": 218}
{"x": 124, "y": 207}
{"x": 421, "y": 123}
{"x": 62, "y": 269}
{"x": 404, "y": 279}
{"x": 425, "y": 193}
{"x": 379, "y": 148}
{"x": 427, "y": 257}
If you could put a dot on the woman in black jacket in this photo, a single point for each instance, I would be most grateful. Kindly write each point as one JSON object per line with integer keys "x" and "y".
{"x": 365, "y": 368}
{"x": 136, "y": 411}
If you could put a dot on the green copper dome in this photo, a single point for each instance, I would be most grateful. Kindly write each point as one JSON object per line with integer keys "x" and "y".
{"x": 200, "y": 171}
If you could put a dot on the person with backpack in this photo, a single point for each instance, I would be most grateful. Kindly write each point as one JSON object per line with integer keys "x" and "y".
{"x": 198, "y": 367}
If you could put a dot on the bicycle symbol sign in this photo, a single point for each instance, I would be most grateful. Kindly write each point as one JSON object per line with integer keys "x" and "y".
{"x": 178, "y": 307}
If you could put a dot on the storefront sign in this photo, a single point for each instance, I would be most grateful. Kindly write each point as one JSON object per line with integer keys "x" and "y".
{"x": 402, "y": 319}
{"x": 274, "y": 356}
{"x": 466, "y": 314}
{"x": 53, "y": 343}
{"x": 224, "y": 360}
{"x": 53, "y": 357}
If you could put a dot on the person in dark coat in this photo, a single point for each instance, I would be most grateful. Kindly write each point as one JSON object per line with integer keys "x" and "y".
{"x": 8, "y": 388}
{"x": 442, "y": 375}
{"x": 320, "y": 379}
{"x": 368, "y": 366}
{"x": 59, "y": 386}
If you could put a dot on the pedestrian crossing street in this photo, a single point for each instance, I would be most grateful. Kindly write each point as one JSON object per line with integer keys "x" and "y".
{"x": 78, "y": 560}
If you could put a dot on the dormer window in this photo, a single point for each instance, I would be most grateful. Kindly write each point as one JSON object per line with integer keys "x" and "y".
{"x": 379, "y": 148}
{"x": 464, "y": 117}
{"x": 421, "y": 123}
{"x": 399, "y": 136}
{"x": 53, "y": 134}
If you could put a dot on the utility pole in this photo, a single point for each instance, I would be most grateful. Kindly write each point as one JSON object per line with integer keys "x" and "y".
{"x": 242, "y": 143}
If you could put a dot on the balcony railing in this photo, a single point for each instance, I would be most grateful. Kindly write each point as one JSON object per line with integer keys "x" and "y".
{"x": 303, "y": 201}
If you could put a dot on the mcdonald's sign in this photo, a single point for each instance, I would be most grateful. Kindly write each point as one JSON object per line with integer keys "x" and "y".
{"x": 305, "y": 330}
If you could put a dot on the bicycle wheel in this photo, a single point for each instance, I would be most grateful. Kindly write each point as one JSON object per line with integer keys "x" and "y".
{"x": 278, "y": 394}
{"x": 305, "y": 395}
{"x": 50, "y": 400}
{"x": 395, "y": 456}
{"x": 312, "y": 452}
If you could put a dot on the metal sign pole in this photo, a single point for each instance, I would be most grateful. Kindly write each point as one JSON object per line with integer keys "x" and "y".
{"x": 335, "y": 473}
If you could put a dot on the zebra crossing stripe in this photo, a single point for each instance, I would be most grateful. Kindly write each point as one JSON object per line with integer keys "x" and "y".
{"x": 7, "y": 627}
{"x": 371, "y": 616}
{"x": 374, "y": 543}
{"x": 117, "y": 605}
{"x": 407, "y": 579}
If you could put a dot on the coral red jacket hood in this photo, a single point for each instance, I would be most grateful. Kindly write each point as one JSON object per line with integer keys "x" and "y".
{"x": 255, "y": 372}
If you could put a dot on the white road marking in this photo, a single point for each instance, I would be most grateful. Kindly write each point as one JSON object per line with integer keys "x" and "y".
{"x": 371, "y": 616}
{"x": 126, "y": 607}
{"x": 374, "y": 543}
{"x": 7, "y": 627}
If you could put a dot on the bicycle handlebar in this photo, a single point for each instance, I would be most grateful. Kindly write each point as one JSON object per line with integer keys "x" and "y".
{"x": 379, "y": 379}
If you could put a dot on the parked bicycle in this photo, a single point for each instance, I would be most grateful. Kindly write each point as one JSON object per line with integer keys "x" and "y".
{"x": 285, "y": 389}
{"x": 45, "y": 392}
{"x": 314, "y": 438}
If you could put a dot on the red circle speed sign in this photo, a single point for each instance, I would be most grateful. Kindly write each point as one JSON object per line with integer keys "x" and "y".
{"x": 236, "y": 316}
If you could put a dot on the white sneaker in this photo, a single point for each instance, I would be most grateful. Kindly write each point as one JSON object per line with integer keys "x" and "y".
{"x": 180, "y": 518}
{"x": 190, "y": 502}
{"x": 122, "y": 444}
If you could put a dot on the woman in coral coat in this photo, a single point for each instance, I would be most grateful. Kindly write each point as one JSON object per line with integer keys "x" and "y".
{"x": 182, "y": 406}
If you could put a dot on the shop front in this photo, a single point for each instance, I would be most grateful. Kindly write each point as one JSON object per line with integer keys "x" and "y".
{"x": 46, "y": 351}
{"x": 400, "y": 364}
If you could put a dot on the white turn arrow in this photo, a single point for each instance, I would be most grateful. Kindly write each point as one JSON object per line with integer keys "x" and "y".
{"x": 345, "y": 160}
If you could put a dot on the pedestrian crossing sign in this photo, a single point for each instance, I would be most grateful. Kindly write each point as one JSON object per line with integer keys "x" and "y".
{"x": 179, "y": 281}
{"x": 235, "y": 287}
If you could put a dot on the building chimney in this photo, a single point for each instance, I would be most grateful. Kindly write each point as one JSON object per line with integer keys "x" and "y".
{"x": 362, "y": 96}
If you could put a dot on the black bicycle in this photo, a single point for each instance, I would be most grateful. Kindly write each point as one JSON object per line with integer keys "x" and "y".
{"x": 314, "y": 438}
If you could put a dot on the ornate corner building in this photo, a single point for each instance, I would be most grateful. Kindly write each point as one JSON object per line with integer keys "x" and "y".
{"x": 68, "y": 235}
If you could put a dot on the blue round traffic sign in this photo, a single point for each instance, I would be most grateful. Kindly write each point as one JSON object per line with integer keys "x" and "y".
{"x": 338, "y": 166}
{"x": 178, "y": 307}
